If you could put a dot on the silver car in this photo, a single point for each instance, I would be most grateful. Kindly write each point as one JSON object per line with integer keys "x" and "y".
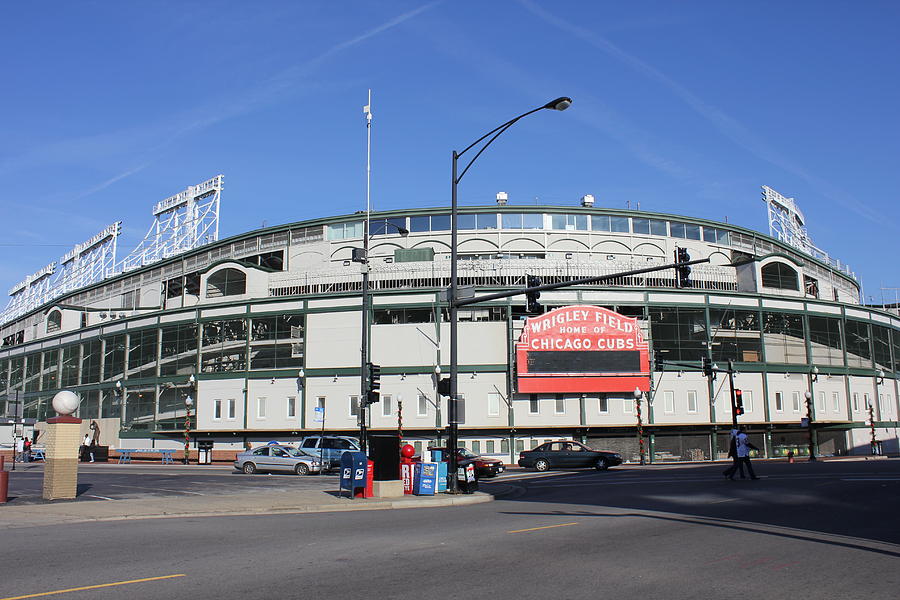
{"x": 275, "y": 457}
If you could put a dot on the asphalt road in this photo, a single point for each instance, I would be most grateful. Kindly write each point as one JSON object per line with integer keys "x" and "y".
{"x": 803, "y": 530}
{"x": 117, "y": 482}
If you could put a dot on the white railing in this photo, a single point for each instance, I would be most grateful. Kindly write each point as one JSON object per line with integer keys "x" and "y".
{"x": 494, "y": 273}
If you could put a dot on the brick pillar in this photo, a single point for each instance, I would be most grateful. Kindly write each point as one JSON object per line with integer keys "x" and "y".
{"x": 62, "y": 440}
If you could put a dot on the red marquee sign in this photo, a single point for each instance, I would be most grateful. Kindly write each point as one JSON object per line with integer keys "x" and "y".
{"x": 582, "y": 349}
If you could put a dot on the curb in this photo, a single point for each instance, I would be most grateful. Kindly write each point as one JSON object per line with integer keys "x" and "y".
{"x": 351, "y": 505}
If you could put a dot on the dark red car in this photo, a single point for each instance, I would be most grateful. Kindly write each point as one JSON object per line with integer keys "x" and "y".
{"x": 484, "y": 466}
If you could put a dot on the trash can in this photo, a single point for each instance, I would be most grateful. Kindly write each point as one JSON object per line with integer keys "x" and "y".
{"x": 466, "y": 480}
{"x": 204, "y": 452}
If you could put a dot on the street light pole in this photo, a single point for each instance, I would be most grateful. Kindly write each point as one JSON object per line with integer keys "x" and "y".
{"x": 809, "y": 424}
{"x": 453, "y": 432}
{"x": 364, "y": 349}
{"x": 638, "y": 395}
{"x": 188, "y": 403}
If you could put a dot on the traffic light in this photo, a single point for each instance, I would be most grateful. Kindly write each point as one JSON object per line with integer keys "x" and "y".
{"x": 707, "y": 367}
{"x": 443, "y": 386}
{"x": 533, "y": 305}
{"x": 738, "y": 402}
{"x": 373, "y": 384}
{"x": 684, "y": 271}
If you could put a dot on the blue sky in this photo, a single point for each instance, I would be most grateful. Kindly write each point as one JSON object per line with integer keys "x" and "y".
{"x": 683, "y": 107}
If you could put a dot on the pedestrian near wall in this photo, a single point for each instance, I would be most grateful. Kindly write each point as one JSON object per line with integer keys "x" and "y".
{"x": 87, "y": 447}
{"x": 743, "y": 447}
{"x": 732, "y": 454}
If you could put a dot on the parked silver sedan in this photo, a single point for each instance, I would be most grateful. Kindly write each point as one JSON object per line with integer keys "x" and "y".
{"x": 276, "y": 457}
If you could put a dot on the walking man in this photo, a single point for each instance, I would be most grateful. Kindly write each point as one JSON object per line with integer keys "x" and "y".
{"x": 732, "y": 454}
{"x": 743, "y": 446}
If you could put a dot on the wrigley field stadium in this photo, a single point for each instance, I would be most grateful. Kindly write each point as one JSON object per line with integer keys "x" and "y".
{"x": 257, "y": 337}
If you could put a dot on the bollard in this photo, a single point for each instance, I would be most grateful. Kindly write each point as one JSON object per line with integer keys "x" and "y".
{"x": 4, "y": 482}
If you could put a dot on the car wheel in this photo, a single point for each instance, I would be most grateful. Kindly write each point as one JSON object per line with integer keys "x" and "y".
{"x": 249, "y": 468}
{"x": 602, "y": 464}
{"x": 541, "y": 464}
{"x": 301, "y": 469}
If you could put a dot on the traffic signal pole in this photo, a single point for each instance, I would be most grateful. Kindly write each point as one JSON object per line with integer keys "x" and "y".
{"x": 734, "y": 416}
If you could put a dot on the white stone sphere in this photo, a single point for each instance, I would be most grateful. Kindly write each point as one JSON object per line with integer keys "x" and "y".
{"x": 65, "y": 402}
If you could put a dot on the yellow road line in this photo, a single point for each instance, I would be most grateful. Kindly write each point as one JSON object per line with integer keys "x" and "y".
{"x": 513, "y": 531}
{"x": 94, "y": 587}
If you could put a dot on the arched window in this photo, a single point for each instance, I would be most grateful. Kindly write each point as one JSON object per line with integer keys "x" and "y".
{"x": 54, "y": 321}
{"x": 781, "y": 276}
{"x": 227, "y": 282}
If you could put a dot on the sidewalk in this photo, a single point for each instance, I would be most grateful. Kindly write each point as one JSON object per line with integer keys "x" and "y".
{"x": 266, "y": 503}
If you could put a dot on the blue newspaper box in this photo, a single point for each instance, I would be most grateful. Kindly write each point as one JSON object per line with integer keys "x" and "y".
{"x": 438, "y": 456}
{"x": 425, "y": 479}
{"x": 353, "y": 471}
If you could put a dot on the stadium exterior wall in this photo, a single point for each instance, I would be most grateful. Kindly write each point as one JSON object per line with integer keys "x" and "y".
{"x": 269, "y": 324}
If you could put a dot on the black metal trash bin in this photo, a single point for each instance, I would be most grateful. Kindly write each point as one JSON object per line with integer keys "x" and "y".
{"x": 466, "y": 480}
{"x": 204, "y": 452}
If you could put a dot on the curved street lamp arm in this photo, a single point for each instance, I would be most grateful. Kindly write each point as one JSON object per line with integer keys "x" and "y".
{"x": 502, "y": 128}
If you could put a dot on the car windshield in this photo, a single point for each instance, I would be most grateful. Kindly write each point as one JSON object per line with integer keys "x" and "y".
{"x": 294, "y": 452}
{"x": 467, "y": 453}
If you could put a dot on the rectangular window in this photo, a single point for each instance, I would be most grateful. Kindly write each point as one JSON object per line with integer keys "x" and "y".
{"x": 825, "y": 341}
{"x": 486, "y": 221}
{"x": 867, "y": 401}
{"x": 489, "y": 447}
{"x": 476, "y": 447}
{"x": 261, "y": 408}
{"x": 419, "y": 224}
{"x": 784, "y": 338}
{"x": 614, "y": 224}
{"x": 386, "y": 405}
{"x": 422, "y": 406}
{"x": 533, "y": 406}
{"x": 569, "y": 222}
{"x": 522, "y": 221}
{"x": 343, "y": 231}
{"x": 465, "y": 221}
{"x": 821, "y": 402}
{"x": 836, "y": 401}
{"x": 795, "y": 401}
{"x": 520, "y": 445}
{"x": 855, "y": 401}
{"x": 493, "y": 404}
{"x": 859, "y": 353}
{"x": 748, "y": 401}
{"x": 628, "y": 405}
{"x": 779, "y": 402}
{"x": 440, "y": 222}
{"x": 692, "y": 401}
{"x": 685, "y": 231}
{"x": 560, "y": 406}
{"x": 603, "y": 405}
{"x": 217, "y": 410}
{"x": 736, "y": 335}
{"x": 669, "y": 402}
{"x": 650, "y": 226}
{"x": 354, "y": 406}
{"x": 291, "y": 407}
{"x": 231, "y": 409}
